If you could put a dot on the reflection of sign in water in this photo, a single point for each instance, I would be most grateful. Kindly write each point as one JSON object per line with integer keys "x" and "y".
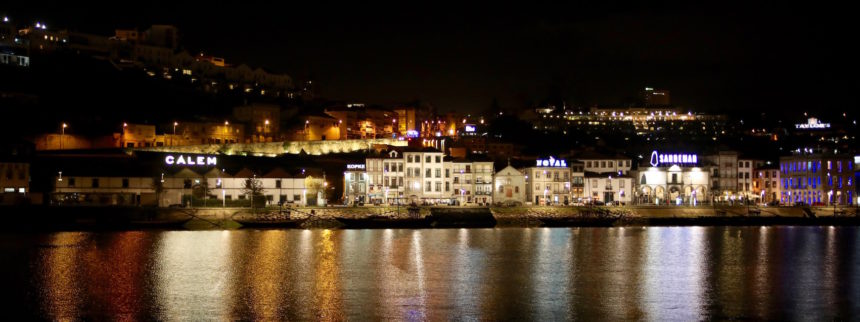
{"x": 812, "y": 123}
{"x": 355, "y": 166}
{"x": 657, "y": 158}
{"x": 552, "y": 162}
{"x": 412, "y": 134}
{"x": 470, "y": 128}
{"x": 190, "y": 160}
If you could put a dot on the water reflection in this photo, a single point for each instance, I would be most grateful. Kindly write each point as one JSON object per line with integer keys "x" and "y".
{"x": 631, "y": 273}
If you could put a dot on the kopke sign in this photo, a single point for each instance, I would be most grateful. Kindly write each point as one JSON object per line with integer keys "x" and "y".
{"x": 551, "y": 162}
{"x": 190, "y": 160}
{"x": 657, "y": 158}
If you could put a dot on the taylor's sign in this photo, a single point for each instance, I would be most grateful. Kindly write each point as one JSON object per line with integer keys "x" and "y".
{"x": 355, "y": 166}
{"x": 678, "y": 158}
{"x": 551, "y": 162}
{"x": 812, "y": 123}
{"x": 199, "y": 160}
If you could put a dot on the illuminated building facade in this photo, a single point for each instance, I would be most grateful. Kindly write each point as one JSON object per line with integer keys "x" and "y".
{"x": 817, "y": 179}
{"x": 671, "y": 183}
{"x": 548, "y": 182}
{"x": 608, "y": 189}
{"x": 766, "y": 184}
{"x": 510, "y": 186}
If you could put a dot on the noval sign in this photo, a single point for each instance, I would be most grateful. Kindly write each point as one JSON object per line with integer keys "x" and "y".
{"x": 199, "y": 160}
{"x": 657, "y": 158}
{"x": 551, "y": 162}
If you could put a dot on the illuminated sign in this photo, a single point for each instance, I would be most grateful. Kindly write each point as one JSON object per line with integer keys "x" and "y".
{"x": 199, "y": 160}
{"x": 355, "y": 166}
{"x": 470, "y": 128}
{"x": 812, "y": 123}
{"x": 657, "y": 158}
{"x": 552, "y": 162}
{"x": 412, "y": 134}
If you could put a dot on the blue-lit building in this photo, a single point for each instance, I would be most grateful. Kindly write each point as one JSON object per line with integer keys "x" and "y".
{"x": 817, "y": 179}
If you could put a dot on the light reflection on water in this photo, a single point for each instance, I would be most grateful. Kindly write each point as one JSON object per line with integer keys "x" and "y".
{"x": 631, "y": 273}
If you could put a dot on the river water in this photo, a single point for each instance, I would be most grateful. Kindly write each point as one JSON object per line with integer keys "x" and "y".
{"x": 631, "y": 273}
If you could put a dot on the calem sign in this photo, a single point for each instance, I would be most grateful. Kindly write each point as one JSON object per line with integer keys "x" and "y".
{"x": 676, "y": 158}
{"x": 552, "y": 162}
{"x": 200, "y": 160}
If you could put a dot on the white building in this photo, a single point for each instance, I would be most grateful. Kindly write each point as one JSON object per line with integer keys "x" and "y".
{"x": 355, "y": 184}
{"x": 603, "y": 188}
{"x": 180, "y": 187}
{"x": 471, "y": 182}
{"x": 724, "y": 175}
{"x": 600, "y": 164}
{"x": 548, "y": 182}
{"x": 510, "y": 186}
{"x": 745, "y": 179}
{"x": 672, "y": 183}
{"x": 425, "y": 185}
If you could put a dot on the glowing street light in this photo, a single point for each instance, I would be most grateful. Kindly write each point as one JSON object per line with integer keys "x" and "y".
{"x": 63, "y": 135}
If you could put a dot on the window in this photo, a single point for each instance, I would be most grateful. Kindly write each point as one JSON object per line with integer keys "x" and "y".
{"x": 385, "y": 166}
{"x": 468, "y": 168}
{"x": 428, "y": 173}
{"x": 594, "y": 183}
{"x": 588, "y": 164}
{"x": 747, "y": 175}
{"x": 674, "y": 178}
{"x": 438, "y": 173}
{"x": 427, "y": 160}
{"x": 125, "y": 182}
{"x": 602, "y": 164}
{"x": 282, "y": 198}
{"x": 278, "y": 184}
{"x": 95, "y": 182}
{"x": 456, "y": 179}
{"x": 447, "y": 173}
{"x": 517, "y": 189}
{"x": 400, "y": 167}
{"x": 71, "y": 182}
{"x": 438, "y": 186}
{"x": 447, "y": 186}
{"x": 409, "y": 158}
{"x": 386, "y": 181}
{"x": 740, "y": 175}
{"x": 427, "y": 187}
{"x": 297, "y": 197}
{"x": 610, "y": 164}
{"x": 400, "y": 181}
{"x": 740, "y": 164}
{"x": 228, "y": 197}
{"x": 9, "y": 190}
{"x": 500, "y": 188}
{"x": 438, "y": 159}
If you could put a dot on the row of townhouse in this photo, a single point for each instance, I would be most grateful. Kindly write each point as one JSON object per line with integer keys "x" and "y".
{"x": 429, "y": 177}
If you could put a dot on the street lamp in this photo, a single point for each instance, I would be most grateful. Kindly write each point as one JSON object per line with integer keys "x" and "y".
{"x": 174, "y": 133}
{"x": 63, "y": 135}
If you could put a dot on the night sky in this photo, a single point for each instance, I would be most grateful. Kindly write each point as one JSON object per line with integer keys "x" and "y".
{"x": 720, "y": 58}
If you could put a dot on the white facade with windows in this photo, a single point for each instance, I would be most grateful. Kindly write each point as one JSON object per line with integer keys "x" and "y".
{"x": 548, "y": 185}
{"x": 178, "y": 188}
{"x": 745, "y": 179}
{"x": 510, "y": 186}
{"x": 617, "y": 166}
{"x": 608, "y": 189}
{"x": 673, "y": 184}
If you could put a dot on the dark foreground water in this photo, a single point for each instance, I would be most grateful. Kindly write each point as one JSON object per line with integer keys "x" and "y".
{"x": 659, "y": 273}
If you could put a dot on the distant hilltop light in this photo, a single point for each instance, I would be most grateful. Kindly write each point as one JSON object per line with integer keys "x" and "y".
{"x": 5, "y": 19}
